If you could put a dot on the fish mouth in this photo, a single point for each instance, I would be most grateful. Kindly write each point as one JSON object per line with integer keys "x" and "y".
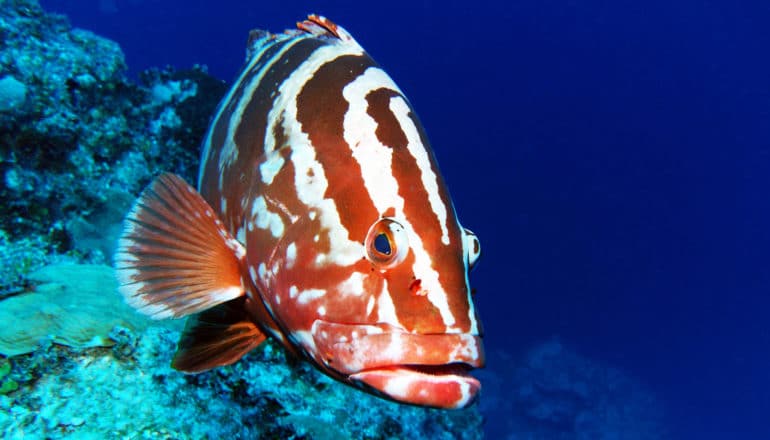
{"x": 420, "y": 369}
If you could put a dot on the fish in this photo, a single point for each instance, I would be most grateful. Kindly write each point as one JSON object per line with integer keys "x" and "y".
{"x": 321, "y": 220}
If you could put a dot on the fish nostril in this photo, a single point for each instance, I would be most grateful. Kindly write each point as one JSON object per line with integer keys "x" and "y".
{"x": 416, "y": 288}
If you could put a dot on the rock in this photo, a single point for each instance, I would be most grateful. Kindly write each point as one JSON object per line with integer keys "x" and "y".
{"x": 12, "y": 93}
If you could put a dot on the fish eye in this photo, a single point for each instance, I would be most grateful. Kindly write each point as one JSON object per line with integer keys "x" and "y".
{"x": 386, "y": 243}
{"x": 382, "y": 244}
{"x": 473, "y": 248}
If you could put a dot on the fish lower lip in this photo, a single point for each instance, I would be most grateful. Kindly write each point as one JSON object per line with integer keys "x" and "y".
{"x": 419, "y": 385}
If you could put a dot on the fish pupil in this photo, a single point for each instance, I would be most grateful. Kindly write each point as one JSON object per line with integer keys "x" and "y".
{"x": 382, "y": 244}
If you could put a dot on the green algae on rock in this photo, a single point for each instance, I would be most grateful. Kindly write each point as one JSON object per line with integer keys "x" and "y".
{"x": 72, "y": 304}
{"x": 7, "y": 384}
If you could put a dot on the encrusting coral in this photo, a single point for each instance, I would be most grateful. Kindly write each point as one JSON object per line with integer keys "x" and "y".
{"x": 72, "y": 304}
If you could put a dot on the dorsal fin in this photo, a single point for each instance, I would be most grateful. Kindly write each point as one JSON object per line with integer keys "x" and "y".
{"x": 175, "y": 257}
{"x": 318, "y": 25}
{"x": 219, "y": 336}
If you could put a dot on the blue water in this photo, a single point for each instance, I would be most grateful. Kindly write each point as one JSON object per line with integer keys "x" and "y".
{"x": 613, "y": 158}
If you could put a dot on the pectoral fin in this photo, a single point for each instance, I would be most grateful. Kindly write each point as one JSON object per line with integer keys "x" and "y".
{"x": 175, "y": 256}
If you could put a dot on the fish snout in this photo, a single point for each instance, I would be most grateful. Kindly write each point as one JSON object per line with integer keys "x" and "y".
{"x": 421, "y": 369}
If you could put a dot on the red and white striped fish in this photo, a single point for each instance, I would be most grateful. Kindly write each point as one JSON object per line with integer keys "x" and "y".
{"x": 322, "y": 221}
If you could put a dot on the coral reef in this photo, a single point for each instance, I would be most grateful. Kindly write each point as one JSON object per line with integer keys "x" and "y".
{"x": 78, "y": 138}
{"x": 17, "y": 258}
{"x": 12, "y": 93}
{"x": 131, "y": 392}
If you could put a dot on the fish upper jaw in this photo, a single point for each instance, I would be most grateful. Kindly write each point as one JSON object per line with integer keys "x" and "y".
{"x": 420, "y": 369}
{"x": 351, "y": 348}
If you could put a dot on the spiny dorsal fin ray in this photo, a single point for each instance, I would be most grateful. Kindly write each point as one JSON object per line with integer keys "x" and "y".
{"x": 218, "y": 336}
{"x": 319, "y": 25}
{"x": 175, "y": 257}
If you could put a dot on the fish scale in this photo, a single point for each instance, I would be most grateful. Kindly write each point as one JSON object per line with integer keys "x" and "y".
{"x": 347, "y": 247}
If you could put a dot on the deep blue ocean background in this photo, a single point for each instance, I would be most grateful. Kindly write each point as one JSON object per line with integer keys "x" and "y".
{"x": 612, "y": 156}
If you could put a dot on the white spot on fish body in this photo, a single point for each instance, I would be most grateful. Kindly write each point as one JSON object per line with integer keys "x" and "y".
{"x": 270, "y": 167}
{"x": 291, "y": 255}
{"x": 308, "y": 295}
{"x": 398, "y": 386}
{"x": 386, "y": 311}
{"x": 262, "y": 270}
{"x": 394, "y": 350}
{"x": 354, "y": 285}
{"x": 370, "y": 306}
{"x": 466, "y": 349}
{"x": 265, "y": 219}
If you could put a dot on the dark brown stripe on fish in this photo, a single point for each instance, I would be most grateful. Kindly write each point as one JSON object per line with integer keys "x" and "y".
{"x": 250, "y": 135}
{"x": 321, "y": 111}
{"x": 221, "y": 125}
{"x": 442, "y": 188}
{"x": 388, "y": 130}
